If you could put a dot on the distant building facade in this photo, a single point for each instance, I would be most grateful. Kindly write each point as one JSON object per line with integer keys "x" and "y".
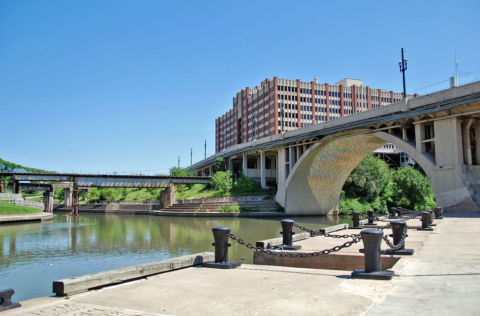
{"x": 280, "y": 105}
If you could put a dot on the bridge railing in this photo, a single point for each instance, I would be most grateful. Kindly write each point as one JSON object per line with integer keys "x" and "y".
{"x": 10, "y": 196}
{"x": 28, "y": 203}
{"x": 128, "y": 202}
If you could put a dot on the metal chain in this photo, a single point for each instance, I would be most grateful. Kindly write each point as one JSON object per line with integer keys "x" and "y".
{"x": 296, "y": 255}
{"x": 318, "y": 233}
{"x": 400, "y": 242}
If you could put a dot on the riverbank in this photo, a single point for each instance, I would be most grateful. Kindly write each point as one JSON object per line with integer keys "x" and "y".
{"x": 444, "y": 265}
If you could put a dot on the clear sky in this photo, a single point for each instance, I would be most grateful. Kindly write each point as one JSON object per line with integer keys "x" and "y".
{"x": 132, "y": 85}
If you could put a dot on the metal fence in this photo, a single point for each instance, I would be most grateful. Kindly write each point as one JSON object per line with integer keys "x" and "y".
{"x": 28, "y": 203}
{"x": 10, "y": 196}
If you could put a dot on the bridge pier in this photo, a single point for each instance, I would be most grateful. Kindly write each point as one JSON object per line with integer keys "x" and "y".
{"x": 75, "y": 199}
{"x": 2, "y": 186}
{"x": 281, "y": 177}
{"x": 48, "y": 201}
{"x": 67, "y": 197}
{"x": 167, "y": 197}
{"x": 15, "y": 187}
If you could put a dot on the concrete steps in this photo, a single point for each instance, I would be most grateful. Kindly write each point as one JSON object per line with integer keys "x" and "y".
{"x": 208, "y": 207}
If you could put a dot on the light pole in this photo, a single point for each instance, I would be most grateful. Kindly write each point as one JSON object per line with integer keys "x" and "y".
{"x": 403, "y": 67}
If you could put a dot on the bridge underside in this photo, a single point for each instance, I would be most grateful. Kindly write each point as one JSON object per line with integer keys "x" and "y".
{"x": 315, "y": 183}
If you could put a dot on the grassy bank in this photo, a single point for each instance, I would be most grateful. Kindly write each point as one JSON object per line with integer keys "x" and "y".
{"x": 12, "y": 209}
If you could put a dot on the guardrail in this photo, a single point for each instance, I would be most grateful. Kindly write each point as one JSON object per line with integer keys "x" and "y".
{"x": 128, "y": 202}
{"x": 253, "y": 198}
{"x": 38, "y": 205}
{"x": 10, "y": 196}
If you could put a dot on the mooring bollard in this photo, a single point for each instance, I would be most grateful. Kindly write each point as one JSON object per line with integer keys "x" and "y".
{"x": 371, "y": 241}
{"x": 287, "y": 227}
{"x": 370, "y": 218}
{"x": 438, "y": 212}
{"x": 356, "y": 221}
{"x": 220, "y": 235}
{"x": 425, "y": 221}
{"x": 398, "y": 227}
{"x": 6, "y": 300}
{"x": 392, "y": 211}
{"x": 430, "y": 219}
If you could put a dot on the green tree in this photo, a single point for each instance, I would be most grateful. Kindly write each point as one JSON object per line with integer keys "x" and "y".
{"x": 410, "y": 188}
{"x": 223, "y": 181}
{"x": 108, "y": 194}
{"x": 93, "y": 195}
{"x": 369, "y": 180}
{"x": 180, "y": 172}
{"x": 218, "y": 164}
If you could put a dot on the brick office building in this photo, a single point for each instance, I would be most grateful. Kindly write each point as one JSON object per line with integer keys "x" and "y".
{"x": 284, "y": 105}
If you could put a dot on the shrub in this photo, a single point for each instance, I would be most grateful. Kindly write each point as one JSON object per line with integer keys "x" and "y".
{"x": 223, "y": 181}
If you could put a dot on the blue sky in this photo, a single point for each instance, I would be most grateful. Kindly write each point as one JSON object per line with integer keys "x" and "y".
{"x": 130, "y": 86}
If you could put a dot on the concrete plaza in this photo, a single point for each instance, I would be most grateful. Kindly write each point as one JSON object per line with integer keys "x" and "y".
{"x": 442, "y": 278}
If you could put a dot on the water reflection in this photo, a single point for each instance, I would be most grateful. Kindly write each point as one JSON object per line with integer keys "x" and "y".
{"x": 32, "y": 256}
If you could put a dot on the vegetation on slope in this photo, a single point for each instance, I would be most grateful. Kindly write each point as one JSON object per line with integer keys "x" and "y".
{"x": 10, "y": 209}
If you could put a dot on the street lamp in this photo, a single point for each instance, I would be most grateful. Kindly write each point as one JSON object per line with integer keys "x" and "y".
{"x": 403, "y": 67}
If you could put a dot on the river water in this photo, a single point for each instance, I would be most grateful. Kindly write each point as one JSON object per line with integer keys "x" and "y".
{"x": 34, "y": 255}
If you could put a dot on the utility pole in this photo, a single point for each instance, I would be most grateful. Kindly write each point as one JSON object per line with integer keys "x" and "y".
{"x": 178, "y": 162}
{"x": 205, "y": 149}
{"x": 191, "y": 156}
{"x": 403, "y": 67}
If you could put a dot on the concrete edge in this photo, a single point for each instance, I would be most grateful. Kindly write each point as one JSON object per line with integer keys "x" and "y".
{"x": 91, "y": 281}
{"x": 334, "y": 228}
{"x": 268, "y": 243}
{"x": 25, "y": 217}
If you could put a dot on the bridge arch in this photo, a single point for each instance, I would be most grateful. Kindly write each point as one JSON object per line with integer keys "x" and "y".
{"x": 313, "y": 186}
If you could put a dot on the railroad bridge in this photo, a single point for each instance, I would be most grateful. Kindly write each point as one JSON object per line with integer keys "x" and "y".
{"x": 440, "y": 131}
{"x": 75, "y": 183}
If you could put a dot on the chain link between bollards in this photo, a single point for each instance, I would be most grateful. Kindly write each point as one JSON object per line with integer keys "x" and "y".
{"x": 355, "y": 240}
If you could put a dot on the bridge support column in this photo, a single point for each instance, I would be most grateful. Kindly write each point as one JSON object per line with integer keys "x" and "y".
{"x": 67, "y": 197}
{"x": 230, "y": 164}
{"x": 203, "y": 172}
{"x": 298, "y": 152}
{"x": 167, "y": 197}
{"x": 45, "y": 201}
{"x": 15, "y": 187}
{"x": 467, "y": 141}
{"x": 420, "y": 137}
{"x": 263, "y": 182}
{"x": 74, "y": 203}
{"x": 210, "y": 171}
{"x": 83, "y": 193}
{"x": 451, "y": 177}
{"x": 281, "y": 192}
{"x": 49, "y": 198}
{"x": 476, "y": 130}
{"x": 245, "y": 164}
{"x": 2, "y": 186}
{"x": 291, "y": 158}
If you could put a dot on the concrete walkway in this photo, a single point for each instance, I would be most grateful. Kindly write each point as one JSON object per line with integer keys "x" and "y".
{"x": 442, "y": 278}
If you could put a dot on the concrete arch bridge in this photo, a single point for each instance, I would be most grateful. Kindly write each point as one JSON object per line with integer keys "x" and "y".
{"x": 440, "y": 131}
